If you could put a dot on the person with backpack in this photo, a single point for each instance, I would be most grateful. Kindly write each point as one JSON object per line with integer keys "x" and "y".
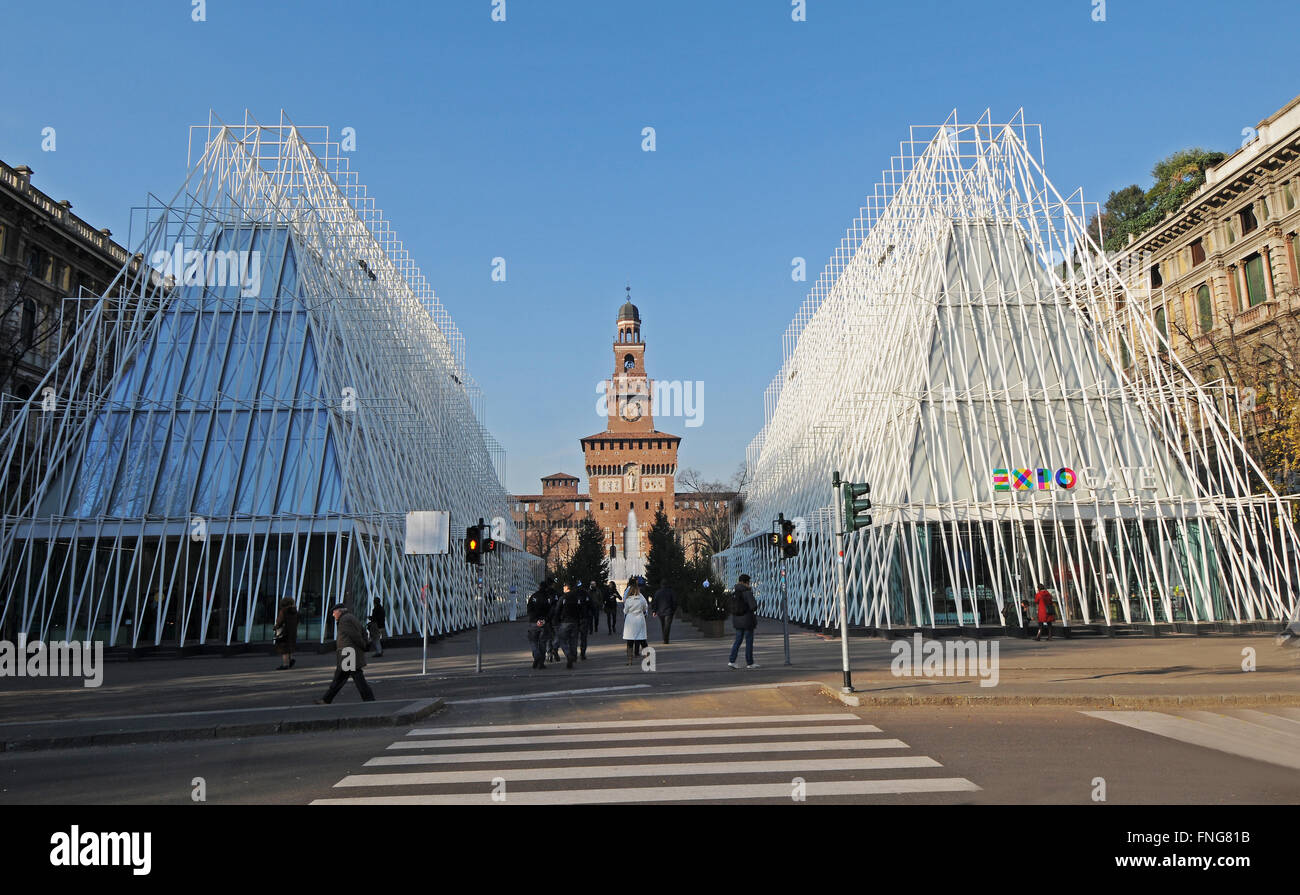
{"x": 1046, "y": 612}
{"x": 744, "y": 618}
{"x": 634, "y": 627}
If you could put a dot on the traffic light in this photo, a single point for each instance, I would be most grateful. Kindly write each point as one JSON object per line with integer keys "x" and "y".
{"x": 489, "y": 544}
{"x": 856, "y": 504}
{"x": 789, "y": 546}
{"x": 775, "y": 540}
{"x": 474, "y": 545}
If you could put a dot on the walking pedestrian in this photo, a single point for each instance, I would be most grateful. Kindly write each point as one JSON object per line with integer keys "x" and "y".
{"x": 376, "y": 627}
{"x": 1046, "y": 612}
{"x": 572, "y": 614}
{"x": 744, "y": 618}
{"x": 350, "y": 652}
{"x": 634, "y": 627}
{"x": 286, "y": 633}
{"x": 584, "y": 599}
{"x": 611, "y": 605}
{"x": 665, "y": 605}
{"x": 539, "y": 612}
{"x": 549, "y": 636}
{"x": 595, "y": 605}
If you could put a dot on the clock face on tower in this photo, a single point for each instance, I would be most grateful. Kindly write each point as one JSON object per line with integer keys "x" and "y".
{"x": 632, "y": 411}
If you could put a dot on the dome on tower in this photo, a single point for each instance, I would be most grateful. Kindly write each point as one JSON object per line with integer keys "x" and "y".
{"x": 629, "y": 311}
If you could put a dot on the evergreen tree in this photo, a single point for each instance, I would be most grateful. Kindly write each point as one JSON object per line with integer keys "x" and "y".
{"x": 588, "y": 563}
{"x": 667, "y": 559}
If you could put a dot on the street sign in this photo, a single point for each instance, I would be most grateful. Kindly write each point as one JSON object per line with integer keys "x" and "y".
{"x": 428, "y": 532}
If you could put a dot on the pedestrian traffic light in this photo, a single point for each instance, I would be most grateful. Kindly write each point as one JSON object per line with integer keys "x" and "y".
{"x": 474, "y": 545}
{"x": 789, "y": 546}
{"x": 856, "y": 504}
{"x": 489, "y": 544}
{"x": 775, "y": 540}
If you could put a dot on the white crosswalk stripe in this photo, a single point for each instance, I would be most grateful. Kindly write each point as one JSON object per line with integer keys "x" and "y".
{"x": 834, "y": 755}
{"x": 629, "y": 737}
{"x": 1270, "y": 736}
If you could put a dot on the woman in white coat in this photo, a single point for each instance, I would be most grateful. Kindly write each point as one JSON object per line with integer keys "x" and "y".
{"x": 634, "y": 627}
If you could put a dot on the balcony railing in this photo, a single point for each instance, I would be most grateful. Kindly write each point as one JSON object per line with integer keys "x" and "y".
{"x": 76, "y": 227}
{"x": 1253, "y": 317}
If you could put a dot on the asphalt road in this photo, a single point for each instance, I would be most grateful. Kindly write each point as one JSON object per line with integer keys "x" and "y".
{"x": 707, "y": 745}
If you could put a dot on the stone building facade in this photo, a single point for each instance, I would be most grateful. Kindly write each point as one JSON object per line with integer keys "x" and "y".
{"x": 47, "y": 255}
{"x": 1219, "y": 276}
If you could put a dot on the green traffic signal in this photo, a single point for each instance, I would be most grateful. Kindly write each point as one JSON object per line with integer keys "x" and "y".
{"x": 856, "y": 505}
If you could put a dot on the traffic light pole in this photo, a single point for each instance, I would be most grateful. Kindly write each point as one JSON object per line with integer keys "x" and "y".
{"x": 478, "y": 604}
{"x": 840, "y": 538}
{"x": 778, "y": 528}
{"x": 478, "y": 622}
{"x": 785, "y": 612}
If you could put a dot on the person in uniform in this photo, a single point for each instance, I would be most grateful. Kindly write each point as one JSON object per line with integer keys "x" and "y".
{"x": 539, "y": 613}
{"x": 571, "y": 616}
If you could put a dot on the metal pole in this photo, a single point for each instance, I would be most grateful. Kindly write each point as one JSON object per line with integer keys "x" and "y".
{"x": 839, "y": 583}
{"x": 424, "y": 630}
{"x": 785, "y": 612}
{"x": 478, "y": 624}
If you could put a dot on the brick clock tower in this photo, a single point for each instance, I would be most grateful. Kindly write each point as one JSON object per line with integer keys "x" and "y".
{"x": 631, "y": 465}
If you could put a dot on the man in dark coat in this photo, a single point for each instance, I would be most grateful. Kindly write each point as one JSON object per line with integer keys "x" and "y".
{"x": 350, "y": 651}
{"x": 539, "y": 616}
{"x": 744, "y": 617}
{"x": 551, "y": 633}
{"x": 665, "y": 604}
{"x": 572, "y": 612}
{"x": 611, "y": 605}
{"x": 584, "y": 597}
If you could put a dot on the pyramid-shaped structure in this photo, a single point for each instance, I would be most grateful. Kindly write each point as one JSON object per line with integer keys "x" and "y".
{"x": 248, "y": 418}
{"x": 971, "y": 355}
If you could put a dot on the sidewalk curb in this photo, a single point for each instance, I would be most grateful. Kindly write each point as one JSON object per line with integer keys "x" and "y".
{"x": 860, "y": 699}
{"x": 409, "y": 713}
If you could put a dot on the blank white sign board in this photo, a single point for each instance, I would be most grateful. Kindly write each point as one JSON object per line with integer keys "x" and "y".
{"x": 428, "y": 531}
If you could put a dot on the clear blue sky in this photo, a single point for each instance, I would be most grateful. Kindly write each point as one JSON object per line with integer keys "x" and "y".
{"x": 522, "y": 139}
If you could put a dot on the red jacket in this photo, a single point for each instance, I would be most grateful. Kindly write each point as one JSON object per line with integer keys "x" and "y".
{"x": 1046, "y": 611}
